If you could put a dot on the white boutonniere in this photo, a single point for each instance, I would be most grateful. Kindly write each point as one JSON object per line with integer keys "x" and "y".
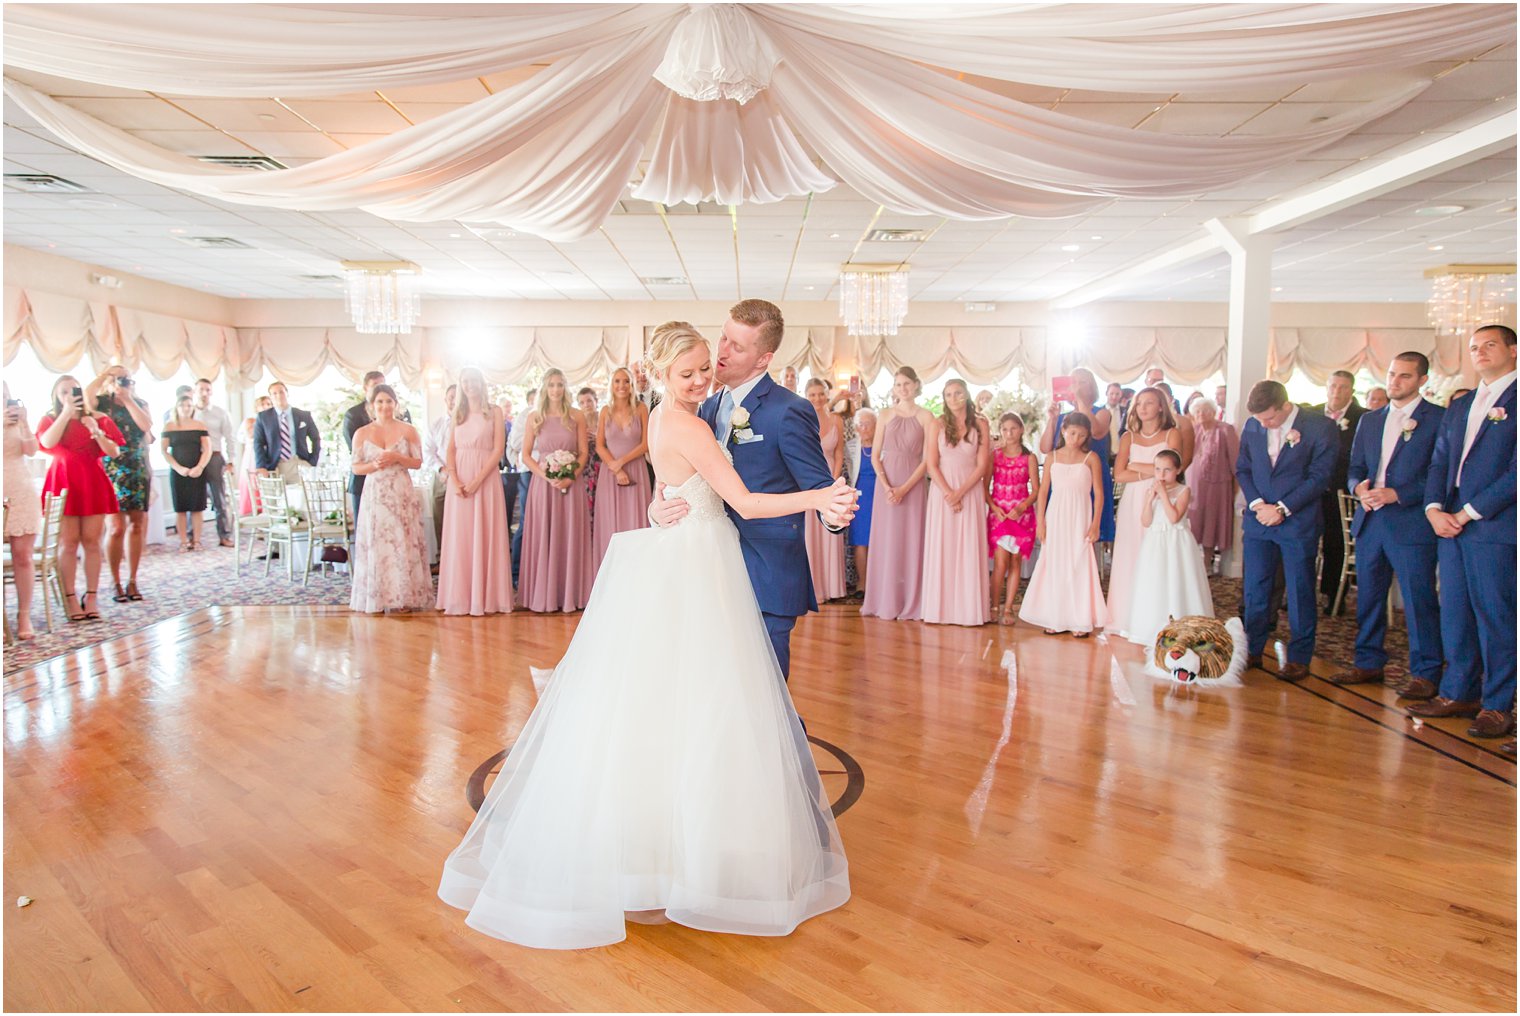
{"x": 1409, "y": 426}
{"x": 738, "y": 423}
{"x": 1497, "y": 415}
{"x": 1343, "y": 423}
{"x": 1291, "y": 438}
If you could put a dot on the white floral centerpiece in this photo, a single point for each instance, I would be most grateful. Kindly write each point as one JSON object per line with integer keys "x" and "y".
{"x": 1030, "y": 404}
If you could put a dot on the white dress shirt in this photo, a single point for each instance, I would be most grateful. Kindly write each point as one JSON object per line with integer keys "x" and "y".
{"x": 515, "y": 440}
{"x": 219, "y": 427}
{"x": 739, "y": 395}
{"x": 435, "y": 447}
{"x": 1393, "y": 430}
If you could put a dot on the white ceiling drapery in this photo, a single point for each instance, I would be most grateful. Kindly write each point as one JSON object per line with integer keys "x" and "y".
{"x": 552, "y": 154}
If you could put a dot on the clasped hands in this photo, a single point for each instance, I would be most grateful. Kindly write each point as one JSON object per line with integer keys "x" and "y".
{"x": 1268, "y": 515}
{"x": 1373, "y": 498}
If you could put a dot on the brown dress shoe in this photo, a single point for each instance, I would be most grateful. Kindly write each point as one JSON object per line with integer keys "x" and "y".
{"x": 1508, "y": 747}
{"x": 1293, "y": 672}
{"x": 1419, "y": 689}
{"x": 1492, "y": 723}
{"x": 1439, "y": 707}
{"x": 1356, "y": 675}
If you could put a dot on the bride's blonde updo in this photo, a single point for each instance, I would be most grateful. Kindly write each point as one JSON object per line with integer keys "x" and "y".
{"x": 669, "y": 342}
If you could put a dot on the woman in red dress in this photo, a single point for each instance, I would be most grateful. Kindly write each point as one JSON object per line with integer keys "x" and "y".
{"x": 78, "y": 438}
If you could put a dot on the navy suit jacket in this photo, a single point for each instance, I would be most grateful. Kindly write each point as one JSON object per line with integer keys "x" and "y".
{"x": 1488, "y": 478}
{"x": 783, "y": 455}
{"x": 305, "y": 442}
{"x": 1300, "y": 477}
{"x": 1407, "y": 469}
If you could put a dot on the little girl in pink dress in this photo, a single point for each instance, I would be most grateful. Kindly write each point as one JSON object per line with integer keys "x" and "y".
{"x": 1010, "y": 511}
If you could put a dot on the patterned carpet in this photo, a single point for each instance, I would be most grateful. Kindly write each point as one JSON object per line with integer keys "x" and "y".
{"x": 174, "y": 583}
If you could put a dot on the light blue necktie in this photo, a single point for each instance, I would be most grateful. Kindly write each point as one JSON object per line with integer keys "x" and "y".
{"x": 725, "y": 414}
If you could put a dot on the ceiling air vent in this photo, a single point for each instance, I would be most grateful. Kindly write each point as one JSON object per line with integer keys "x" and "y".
{"x": 320, "y": 278}
{"x": 215, "y": 242}
{"x": 663, "y": 280}
{"x": 897, "y": 236}
{"x": 262, "y": 163}
{"x": 42, "y": 183}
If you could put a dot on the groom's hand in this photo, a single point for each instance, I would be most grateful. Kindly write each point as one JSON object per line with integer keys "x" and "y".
{"x": 666, "y": 513}
{"x": 842, "y": 509}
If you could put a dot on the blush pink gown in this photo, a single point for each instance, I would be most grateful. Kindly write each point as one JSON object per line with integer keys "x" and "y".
{"x": 894, "y": 580}
{"x": 955, "y": 560}
{"x": 825, "y": 550}
{"x": 557, "y": 569}
{"x": 619, "y": 509}
{"x": 475, "y": 559}
{"x": 1065, "y": 593}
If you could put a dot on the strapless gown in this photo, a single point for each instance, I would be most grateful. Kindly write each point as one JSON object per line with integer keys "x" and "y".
{"x": 664, "y": 768}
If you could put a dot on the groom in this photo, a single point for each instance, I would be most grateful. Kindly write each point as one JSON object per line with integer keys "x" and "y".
{"x": 773, "y": 436}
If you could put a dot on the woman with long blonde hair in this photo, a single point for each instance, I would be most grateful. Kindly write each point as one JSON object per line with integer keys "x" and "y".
{"x": 1151, "y": 427}
{"x": 557, "y": 567}
{"x": 475, "y": 558}
{"x": 622, "y": 442}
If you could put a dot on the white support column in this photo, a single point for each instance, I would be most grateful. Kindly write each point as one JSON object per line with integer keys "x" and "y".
{"x": 1250, "y": 334}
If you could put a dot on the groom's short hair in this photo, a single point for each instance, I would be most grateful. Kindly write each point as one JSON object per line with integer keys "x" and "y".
{"x": 764, "y": 315}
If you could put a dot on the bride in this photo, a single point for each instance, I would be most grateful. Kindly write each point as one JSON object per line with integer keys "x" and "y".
{"x": 664, "y": 768}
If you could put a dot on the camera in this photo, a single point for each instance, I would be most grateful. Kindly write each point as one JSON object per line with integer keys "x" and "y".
{"x": 123, "y": 382}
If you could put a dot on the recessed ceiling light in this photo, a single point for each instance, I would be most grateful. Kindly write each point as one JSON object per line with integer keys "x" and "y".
{"x": 1275, "y": 289}
{"x": 1440, "y": 210}
{"x": 1436, "y": 246}
{"x": 1095, "y": 237}
{"x": 833, "y": 236}
{"x": 454, "y": 236}
{"x": 177, "y": 231}
{"x": 1069, "y": 247}
{"x": 809, "y": 287}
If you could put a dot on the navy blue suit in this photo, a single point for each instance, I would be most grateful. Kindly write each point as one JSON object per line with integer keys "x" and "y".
{"x": 781, "y": 455}
{"x": 1298, "y": 480}
{"x": 1396, "y": 539}
{"x": 1478, "y": 565}
{"x": 305, "y": 441}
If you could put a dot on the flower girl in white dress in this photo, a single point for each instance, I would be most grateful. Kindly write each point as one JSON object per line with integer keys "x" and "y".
{"x": 664, "y": 768}
{"x": 1170, "y": 580}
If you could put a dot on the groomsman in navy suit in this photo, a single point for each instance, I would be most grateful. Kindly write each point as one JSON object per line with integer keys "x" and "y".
{"x": 1470, "y": 502}
{"x": 1286, "y": 457}
{"x": 1390, "y": 458}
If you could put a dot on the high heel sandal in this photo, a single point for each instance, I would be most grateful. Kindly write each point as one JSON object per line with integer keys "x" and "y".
{"x": 90, "y": 614}
{"x": 132, "y": 593}
{"x": 121, "y": 594}
{"x": 79, "y": 616}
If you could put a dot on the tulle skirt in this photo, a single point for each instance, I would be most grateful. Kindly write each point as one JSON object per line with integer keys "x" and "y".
{"x": 664, "y": 768}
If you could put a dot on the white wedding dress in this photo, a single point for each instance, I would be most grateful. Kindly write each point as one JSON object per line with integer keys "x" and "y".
{"x": 664, "y": 768}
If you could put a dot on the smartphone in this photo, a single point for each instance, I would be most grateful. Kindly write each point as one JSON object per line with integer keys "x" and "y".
{"x": 854, "y": 386}
{"x": 12, "y": 403}
{"x": 1062, "y": 389}
{"x": 78, "y": 393}
{"x": 123, "y": 382}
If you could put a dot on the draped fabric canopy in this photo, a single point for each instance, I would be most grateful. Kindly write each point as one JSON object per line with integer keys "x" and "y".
{"x": 721, "y": 100}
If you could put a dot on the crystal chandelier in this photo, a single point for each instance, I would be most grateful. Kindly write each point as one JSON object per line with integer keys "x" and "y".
{"x": 873, "y": 299}
{"x": 1463, "y": 297}
{"x": 382, "y": 296}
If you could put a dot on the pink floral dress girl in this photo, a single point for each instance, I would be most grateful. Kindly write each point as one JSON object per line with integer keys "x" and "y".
{"x": 1010, "y": 485}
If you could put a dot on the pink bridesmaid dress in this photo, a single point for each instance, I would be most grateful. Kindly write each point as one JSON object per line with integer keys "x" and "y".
{"x": 1065, "y": 593}
{"x": 825, "y": 550}
{"x": 1129, "y": 533}
{"x": 475, "y": 559}
{"x": 956, "y": 585}
{"x": 894, "y": 580}
{"x": 557, "y": 568}
{"x": 955, "y": 566}
{"x": 619, "y": 509}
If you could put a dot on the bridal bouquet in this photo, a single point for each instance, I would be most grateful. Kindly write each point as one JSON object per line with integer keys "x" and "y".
{"x": 561, "y": 465}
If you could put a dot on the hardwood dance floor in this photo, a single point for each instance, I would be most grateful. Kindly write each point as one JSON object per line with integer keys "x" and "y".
{"x": 248, "y": 808}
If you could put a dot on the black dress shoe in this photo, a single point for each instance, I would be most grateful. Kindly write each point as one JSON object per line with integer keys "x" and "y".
{"x": 1253, "y": 662}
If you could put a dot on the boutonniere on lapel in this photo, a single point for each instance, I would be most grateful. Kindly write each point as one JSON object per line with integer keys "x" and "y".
{"x": 1408, "y": 428}
{"x": 1497, "y": 415}
{"x": 1291, "y": 439}
{"x": 1343, "y": 423}
{"x": 739, "y": 429}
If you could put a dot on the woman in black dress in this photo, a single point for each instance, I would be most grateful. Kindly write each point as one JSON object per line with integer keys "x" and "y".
{"x": 187, "y": 446}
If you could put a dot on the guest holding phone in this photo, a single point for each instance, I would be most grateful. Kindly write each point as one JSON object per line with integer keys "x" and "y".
{"x": 78, "y": 438}
{"x": 187, "y": 446}
{"x": 1082, "y": 394}
{"x": 114, "y": 394}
